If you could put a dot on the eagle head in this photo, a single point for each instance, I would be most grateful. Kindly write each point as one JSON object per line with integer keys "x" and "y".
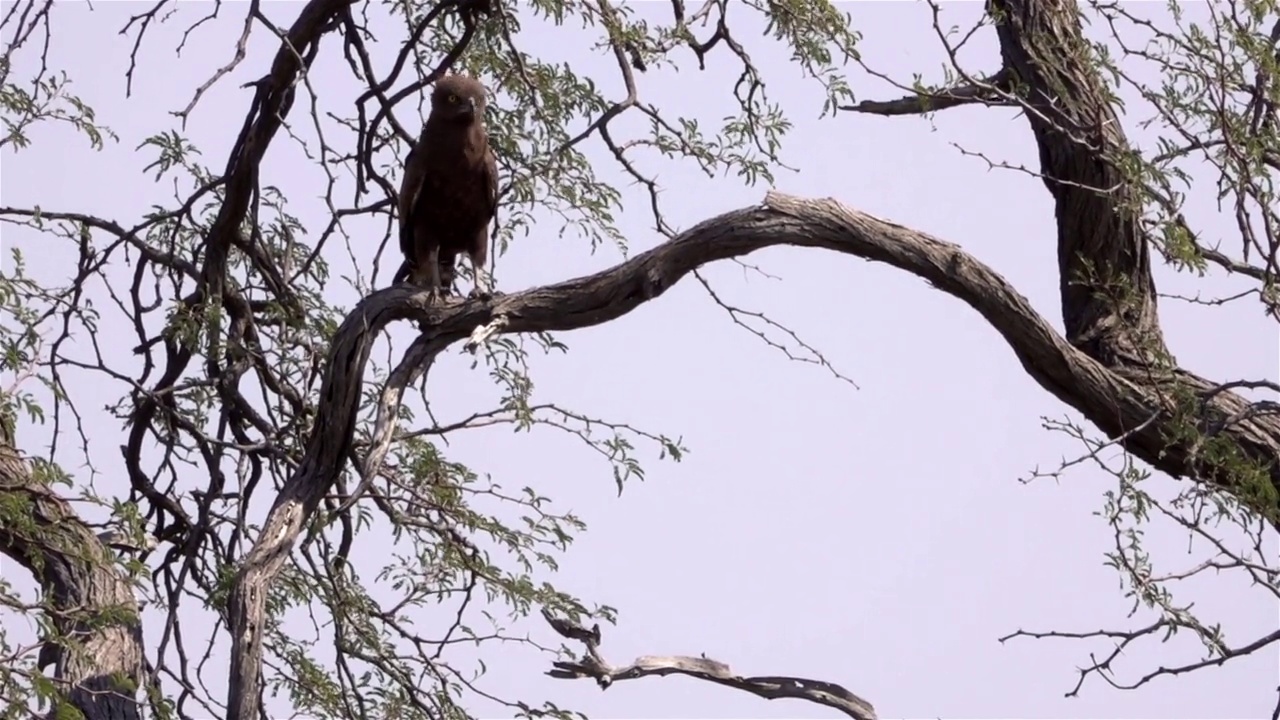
{"x": 458, "y": 98}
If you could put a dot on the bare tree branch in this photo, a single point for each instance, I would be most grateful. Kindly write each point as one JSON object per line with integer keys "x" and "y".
{"x": 1121, "y": 642}
{"x": 1114, "y": 402}
{"x": 258, "y": 276}
{"x": 770, "y": 687}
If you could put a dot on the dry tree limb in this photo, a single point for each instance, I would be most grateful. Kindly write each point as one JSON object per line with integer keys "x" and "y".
{"x": 770, "y": 687}
{"x": 1119, "y": 400}
{"x": 483, "y": 333}
{"x": 1101, "y": 664}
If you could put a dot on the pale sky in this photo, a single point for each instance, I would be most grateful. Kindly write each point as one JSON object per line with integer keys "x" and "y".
{"x": 875, "y": 537}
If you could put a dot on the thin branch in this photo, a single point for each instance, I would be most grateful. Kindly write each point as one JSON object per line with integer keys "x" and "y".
{"x": 991, "y": 92}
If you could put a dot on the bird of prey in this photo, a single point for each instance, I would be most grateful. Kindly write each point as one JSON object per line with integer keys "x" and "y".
{"x": 449, "y": 191}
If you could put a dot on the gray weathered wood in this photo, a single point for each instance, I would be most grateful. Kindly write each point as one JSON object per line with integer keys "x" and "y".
{"x": 1117, "y": 401}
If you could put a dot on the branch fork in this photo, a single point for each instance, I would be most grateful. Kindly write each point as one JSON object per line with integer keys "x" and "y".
{"x": 772, "y": 687}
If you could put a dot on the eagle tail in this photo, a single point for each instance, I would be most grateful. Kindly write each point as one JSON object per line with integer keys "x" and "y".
{"x": 406, "y": 243}
{"x": 402, "y": 275}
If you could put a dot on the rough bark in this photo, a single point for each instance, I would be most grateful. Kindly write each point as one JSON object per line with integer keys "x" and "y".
{"x": 1108, "y": 295}
{"x": 1109, "y": 398}
{"x": 92, "y": 603}
{"x": 1112, "y": 365}
{"x": 1109, "y": 306}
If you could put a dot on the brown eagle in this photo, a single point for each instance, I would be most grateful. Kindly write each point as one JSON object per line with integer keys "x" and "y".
{"x": 449, "y": 192}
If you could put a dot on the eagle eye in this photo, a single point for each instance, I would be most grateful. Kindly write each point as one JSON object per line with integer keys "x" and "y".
{"x": 453, "y": 98}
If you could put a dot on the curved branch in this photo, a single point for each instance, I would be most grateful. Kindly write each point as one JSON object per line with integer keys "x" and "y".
{"x": 415, "y": 363}
{"x": 97, "y": 648}
{"x": 1118, "y": 405}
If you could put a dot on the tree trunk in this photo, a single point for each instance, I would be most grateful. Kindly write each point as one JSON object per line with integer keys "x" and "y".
{"x": 1178, "y": 422}
{"x": 100, "y": 665}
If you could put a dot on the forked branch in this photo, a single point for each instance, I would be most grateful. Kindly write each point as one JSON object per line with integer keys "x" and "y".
{"x": 1119, "y": 405}
{"x": 770, "y": 687}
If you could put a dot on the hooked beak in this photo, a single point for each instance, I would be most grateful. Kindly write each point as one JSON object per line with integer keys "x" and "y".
{"x": 469, "y": 107}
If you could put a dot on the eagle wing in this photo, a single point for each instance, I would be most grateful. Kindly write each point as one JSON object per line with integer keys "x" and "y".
{"x": 410, "y": 184}
{"x": 484, "y": 207}
{"x": 491, "y": 171}
{"x": 490, "y": 165}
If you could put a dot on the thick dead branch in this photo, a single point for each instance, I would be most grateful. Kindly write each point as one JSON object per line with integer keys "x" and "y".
{"x": 1119, "y": 405}
{"x": 990, "y": 92}
{"x": 772, "y": 687}
{"x": 99, "y": 663}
